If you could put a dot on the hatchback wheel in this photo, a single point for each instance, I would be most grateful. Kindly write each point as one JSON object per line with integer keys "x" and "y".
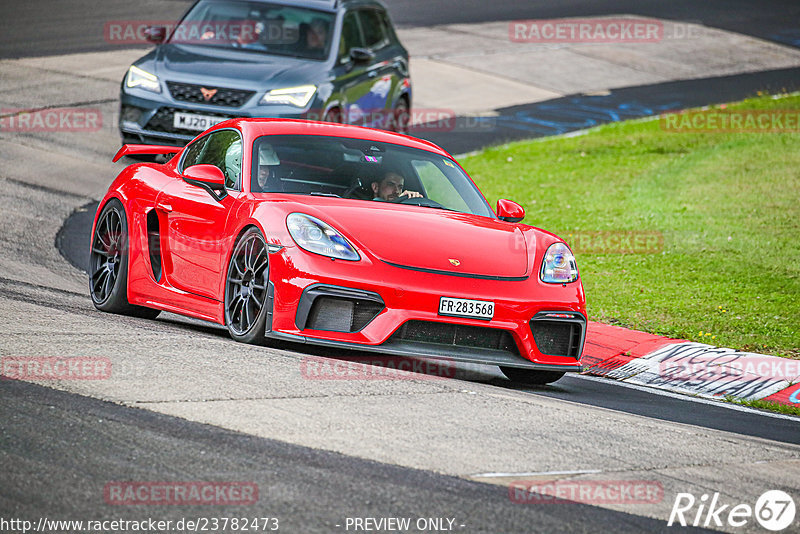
{"x": 401, "y": 116}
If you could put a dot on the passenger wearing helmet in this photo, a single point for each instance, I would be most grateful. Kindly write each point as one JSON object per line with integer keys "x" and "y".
{"x": 267, "y": 166}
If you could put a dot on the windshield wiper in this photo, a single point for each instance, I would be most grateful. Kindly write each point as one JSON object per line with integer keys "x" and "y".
{"x": 321, "y": 194}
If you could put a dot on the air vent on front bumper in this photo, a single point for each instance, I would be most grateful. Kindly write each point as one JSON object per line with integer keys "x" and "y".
{"x": 341, "y": 315}
{"x": 456, "y": 336}
{"x": 218, "y": 96}
{"x": 559, "y": 333}
{"x": 337, "y": 309}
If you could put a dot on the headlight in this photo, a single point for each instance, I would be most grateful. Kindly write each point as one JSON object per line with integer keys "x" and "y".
{"x": 558, "y": 266}
{"x": 315, "y": 236}
{"x": 141, "y": 78}
{"x": 295, "y": 96}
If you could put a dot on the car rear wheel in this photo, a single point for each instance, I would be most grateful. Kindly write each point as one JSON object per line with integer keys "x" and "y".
{"x": 246, "y": 289}
{"x": 530, "y": 377}
{"x": 108, "y": 264}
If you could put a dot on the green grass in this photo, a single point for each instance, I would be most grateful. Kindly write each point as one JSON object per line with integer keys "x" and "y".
{"x": 727, "y": 205}
{"x": 766, "y": 405}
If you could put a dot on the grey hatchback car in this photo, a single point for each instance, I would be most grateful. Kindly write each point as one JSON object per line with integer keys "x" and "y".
{"x": 331, "y": 60}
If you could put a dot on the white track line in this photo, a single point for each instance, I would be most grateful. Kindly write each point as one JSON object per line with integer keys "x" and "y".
{"x": 540, "y": 473}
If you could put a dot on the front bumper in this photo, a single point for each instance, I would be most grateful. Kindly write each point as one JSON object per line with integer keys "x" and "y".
{"x": 410, "y": 301}
{"x": 147, "y": 118}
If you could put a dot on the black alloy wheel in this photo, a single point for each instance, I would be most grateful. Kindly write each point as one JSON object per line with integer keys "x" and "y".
{"x": 246, "y": 288}
{"x": 108, "y": 264}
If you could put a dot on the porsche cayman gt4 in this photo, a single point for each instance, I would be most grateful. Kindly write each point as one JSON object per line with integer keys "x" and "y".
{"x": 339, "y": 236}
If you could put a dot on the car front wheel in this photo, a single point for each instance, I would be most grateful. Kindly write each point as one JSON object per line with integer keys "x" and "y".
{"x": 246, "y": 289}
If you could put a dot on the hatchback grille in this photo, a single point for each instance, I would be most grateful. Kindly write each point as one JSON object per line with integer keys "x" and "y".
{"x": 557, "y": 338}
{"x": 456, "y": 335}
{"x": 162, "y": 121}
{"x": 186, "y": 92}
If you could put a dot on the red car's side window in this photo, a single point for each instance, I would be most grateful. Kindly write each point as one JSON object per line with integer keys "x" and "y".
{"x": 223, "y": 149}
{"x": 193, "y": 153}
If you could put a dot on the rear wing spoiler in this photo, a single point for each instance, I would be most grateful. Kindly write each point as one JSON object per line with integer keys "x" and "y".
{"x": 127, "y": 150}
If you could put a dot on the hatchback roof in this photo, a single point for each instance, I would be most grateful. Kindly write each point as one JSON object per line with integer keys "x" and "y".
{"x": 328, "y": 5}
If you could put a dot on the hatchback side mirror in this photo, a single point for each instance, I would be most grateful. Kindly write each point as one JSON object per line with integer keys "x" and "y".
{"x": 361, "y": 55}
{"x": 509, "y": 211}
{"x": 208, "y": 177}
{"x": 155, "y": 34}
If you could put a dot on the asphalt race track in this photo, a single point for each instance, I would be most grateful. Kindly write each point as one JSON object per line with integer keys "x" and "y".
{"x": 186, "y": 403}
{"x": 44, "y": 27}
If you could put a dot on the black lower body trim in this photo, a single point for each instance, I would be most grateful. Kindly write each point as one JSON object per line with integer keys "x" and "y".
{"x": 426, "y": 350}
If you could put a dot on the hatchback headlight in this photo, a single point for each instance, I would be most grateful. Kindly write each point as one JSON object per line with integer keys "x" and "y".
{"x": 294, "y": 96}
{"x": 558, "y": 266}
{"x": 141, "y": 78}
{"x": 315, "y": 236}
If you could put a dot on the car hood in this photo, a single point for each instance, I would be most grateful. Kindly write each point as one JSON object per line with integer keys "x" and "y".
{"x": 426, "y": 238}
{"x": 234, "y": 68}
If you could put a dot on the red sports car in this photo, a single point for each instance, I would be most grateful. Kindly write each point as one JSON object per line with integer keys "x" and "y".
{"x": 338, "y": 236}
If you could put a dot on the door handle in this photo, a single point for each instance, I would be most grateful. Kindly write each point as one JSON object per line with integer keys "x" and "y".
{"x": 167, "y": 208}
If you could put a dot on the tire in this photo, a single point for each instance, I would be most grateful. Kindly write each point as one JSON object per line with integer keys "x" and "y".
{"x": 108, "y": 264}
{"x": 246, "y": 283}
{"x": 333, "y": 115}
{"x": 401, "y": 116}
{"x": 530, "y": 377}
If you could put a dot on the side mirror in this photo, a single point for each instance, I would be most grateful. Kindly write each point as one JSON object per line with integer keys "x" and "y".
{"x": 208, "y": 177}
{"x": 155, "y": 34}
{"x": 361, "y": 55}
{"x": 509, "y": 211}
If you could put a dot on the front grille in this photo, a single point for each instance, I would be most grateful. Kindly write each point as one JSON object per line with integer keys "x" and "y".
{"x": 162, "y": 121}
{"x": 557, "y": 338}
{"x": 341, "y": 314}
{"x": 456, "y": 335}
{"x": 187, "y": 92}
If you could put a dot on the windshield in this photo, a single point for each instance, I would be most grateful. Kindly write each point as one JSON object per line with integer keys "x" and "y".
{"x": 268, "y": 28}
{"x": 363, "y": 170}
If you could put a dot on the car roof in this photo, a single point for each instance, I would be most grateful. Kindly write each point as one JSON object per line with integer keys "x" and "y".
{"x": 256, "y": 127}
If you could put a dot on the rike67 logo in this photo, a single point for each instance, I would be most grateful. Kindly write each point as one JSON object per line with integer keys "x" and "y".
{"x": 774, "y": 510}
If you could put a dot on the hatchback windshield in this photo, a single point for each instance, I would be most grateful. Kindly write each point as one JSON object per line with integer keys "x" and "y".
{"x": 364, "y": 170}
{"x": 268, "y": 28}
